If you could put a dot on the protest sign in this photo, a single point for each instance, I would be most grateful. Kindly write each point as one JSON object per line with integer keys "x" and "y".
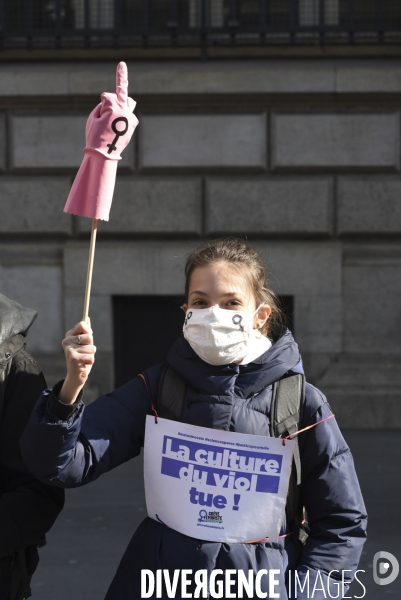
{"x": 215, "y": 485}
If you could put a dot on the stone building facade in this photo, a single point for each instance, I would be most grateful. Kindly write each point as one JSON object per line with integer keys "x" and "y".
{"x": 299, "y": 155}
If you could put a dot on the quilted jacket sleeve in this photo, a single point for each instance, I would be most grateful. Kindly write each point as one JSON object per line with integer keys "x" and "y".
{"x": 335, "y": 508}
{"x": 69, "y": 452}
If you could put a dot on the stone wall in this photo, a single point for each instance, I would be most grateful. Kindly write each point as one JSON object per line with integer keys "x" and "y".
{"x": 301, "y": 157}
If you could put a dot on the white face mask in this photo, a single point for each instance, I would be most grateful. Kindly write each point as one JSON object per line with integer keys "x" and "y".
{"x": 220, "y": 336}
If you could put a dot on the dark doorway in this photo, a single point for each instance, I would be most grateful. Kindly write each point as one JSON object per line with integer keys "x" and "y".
{"x": 145, "y": 328}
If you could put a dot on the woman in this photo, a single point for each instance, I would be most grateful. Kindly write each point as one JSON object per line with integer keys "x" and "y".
{"x": 230, "y": 365}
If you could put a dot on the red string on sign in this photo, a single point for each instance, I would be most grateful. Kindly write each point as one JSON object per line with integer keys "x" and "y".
{"x": 150, "y": 395}
{"x": 292, "y": 435}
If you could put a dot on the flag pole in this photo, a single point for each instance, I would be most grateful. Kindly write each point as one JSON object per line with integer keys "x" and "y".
{"x": 90, "y": 270}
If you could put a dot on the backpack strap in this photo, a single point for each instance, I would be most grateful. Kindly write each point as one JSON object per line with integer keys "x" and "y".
{"x": 288, "y": 399}
{"x": 286, "y": 412}
{"x": 172, "y": 395}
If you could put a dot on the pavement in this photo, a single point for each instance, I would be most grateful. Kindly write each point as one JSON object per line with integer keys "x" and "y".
{"x": 91, "y": 534}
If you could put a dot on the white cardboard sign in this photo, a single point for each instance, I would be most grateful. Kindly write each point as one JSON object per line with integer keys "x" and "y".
{"x": 215, "y": 485}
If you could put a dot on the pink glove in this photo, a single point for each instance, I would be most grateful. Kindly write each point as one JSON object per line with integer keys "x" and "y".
{"x": 109, "y": 129}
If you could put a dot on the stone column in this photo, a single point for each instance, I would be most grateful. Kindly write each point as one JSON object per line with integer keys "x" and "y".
{"x": 101, "y": 14}
{"x": 332, "y": 12}
{"x": 215, "y": 9}
{"x": 309, "y": 12}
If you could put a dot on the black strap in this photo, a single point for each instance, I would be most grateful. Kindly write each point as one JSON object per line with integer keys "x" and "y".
{"x": 288, "y": 398}
{"x": 286, "y": 412}
{"x": 172, "y": 396}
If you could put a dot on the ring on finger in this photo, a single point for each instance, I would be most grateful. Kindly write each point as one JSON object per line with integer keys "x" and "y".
{"x": 79, "y": 339}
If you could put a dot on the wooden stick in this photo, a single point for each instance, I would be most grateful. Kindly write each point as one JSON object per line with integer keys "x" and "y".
{"x": 90, "y": 270}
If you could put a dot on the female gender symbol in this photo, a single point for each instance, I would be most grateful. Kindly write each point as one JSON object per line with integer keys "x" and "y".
{"x": 237, "y": 320}
{"x": 118, "y": 133}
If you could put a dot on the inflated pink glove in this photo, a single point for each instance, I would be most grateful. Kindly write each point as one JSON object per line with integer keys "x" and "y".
{"x": 109, "y": 129}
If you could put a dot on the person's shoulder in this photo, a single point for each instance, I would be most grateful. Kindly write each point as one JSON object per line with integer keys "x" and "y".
{"x": 315, "y": 401}
{"x": 24, "y": 384}
{"x": 153, "y": 377}
{"x": 154, "y": 373}
{"x": 317, "y": 411}
{"x": 24, "y": 359}
{"x": 314, "y": 398}
{"x": 144, "y": 384}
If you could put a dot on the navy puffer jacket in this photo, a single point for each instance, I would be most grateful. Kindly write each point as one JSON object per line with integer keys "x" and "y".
{"x": 74, "y": 451}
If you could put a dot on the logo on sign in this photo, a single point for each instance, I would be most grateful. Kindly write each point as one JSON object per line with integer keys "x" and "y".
{"x": 209, "y": 517}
